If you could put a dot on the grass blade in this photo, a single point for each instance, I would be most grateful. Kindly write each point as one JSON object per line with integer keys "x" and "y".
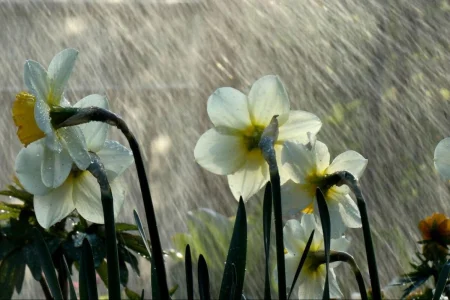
{"x": 72, "y": 293}
{"x": 88, "y": 283}
{"x": 189, "y": 278}
{"x": 302, "y": 261}
{"x": 442, "y": 281}
{"x": 138, "y": 222}
{"x": 47, "y": 264}
{"x": 203, "y": 279}
{"x": 234, "y": 273}
{"x": 326, "y": 228}
{"x": 267, "y": 223}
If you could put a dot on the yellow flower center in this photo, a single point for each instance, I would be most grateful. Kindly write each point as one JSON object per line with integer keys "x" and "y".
{"x": 23, "y": 116}
{"x": 313, "y": 180}
{"x": 252, "y": 136}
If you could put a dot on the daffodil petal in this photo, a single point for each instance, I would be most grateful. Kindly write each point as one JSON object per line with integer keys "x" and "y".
{"x": 52, "y": 142}
{"x": 42, "y": 116}
{"x": 311, "y": 286}
{"x": 298, "y": 161}
{"x": 220, "y": 153}
{"x": 442, "y": 158}
{"x": 267, "y": 98}
{"x": 298, "y": 125}
{"x": 55, "y": 167}
{"x": 350, "y": 161}
{"x": 115, "y": 158}
{"x": 291, "y": 264}
{"x": 74, "y": 142}
{"x": 322, "y": 157}
{"x": 228, "y": 107}
{"x": 59, "y": 72}
{"x": 293, "y": 235}
{"x": 335, "y": 291}
{"x": 337, "y": 223}
{"x": 54, "y": 206}
{"x": 95, "y": 133}
{"x": 349, "y": 211}
{"x": 284, "y": 174}
{"x": 294, "y": 198}
{"x": 87, "y": 197}
{"x": 28, "y": 169}
{"x": 35, "y": 78}
{"x": 249, "y": 179}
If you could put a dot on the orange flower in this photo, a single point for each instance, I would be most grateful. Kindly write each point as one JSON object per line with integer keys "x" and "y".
{"x": 436, "y": 228}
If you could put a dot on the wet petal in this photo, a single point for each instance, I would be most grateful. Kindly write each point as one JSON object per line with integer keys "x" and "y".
{"x": 442, "y": 158}
{"x": 74, "y": 142}
{"x": 228, "y": 107}
{"x": 294, "y": 198}
{"x": 337, "y": 223}
{"x": 220, "y": 153}
{"x": 298, "y": 161}
{"x": 55, "y": 167}
{"x": 251, "y": 177}
{"x": 293, "y": 235}
{"x": 28, "y": 168}
{"x": 87, "y": 197}
{"x": 322, "y": 156}
{"x": 54, "y": 206}
{"x": 335, "y": 291}
{"x": 350, "y": 161}
{"x": 115, "y": 158}
{"x": 42, "y": 116}
{"x": 267, "y": 98}
{"x": 349, "y": 211}
{"x": 284, "y": 174}
{"x": 59, "y": 72}
{"x": 95, "y": 133}
{"x": 35, "y": 78}
{"x": 298, "y": 125}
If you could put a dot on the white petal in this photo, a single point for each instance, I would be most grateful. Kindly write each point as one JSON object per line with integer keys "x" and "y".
{"x": 284, "y": 174}
{"x": 42, "y": 116}
{"x": 335, "y": 291}
{"x": 350, "y": 161}
{"x": 28, "y": 168}
{"x": 442, "y": 158}
{"x": 337, "y": 223}
{"x": 298, "y": 125}
{"x": 55, "y": 167}
{"x": 74, "y": 142}
{"x": 52, "y": 142}
{"x": 349, "y": 211}
{"x": 341, "y": 244}
{"x": 253, "y": 175}
{"x": 87, "y": 197}
{"x": 292, "y": 233}
{"x": 59, "y": 72}
{"x": 294, "y": 198}
{"x": 309, "y": 224}
{"x": 35, "y": 78}
{"x": 54, "y": 206}
{"x": 298, "y": 161}
{"x": 115, "y": 158}
{"x": 322, "y": 156}
{"x": 228, "y": 107}
{"x": 291, "y": 261}
{"x": 267, "y": 98}
{"x": 220, "y": 153}
{"x": 95, "y": 133}
{"x": 311, "y": 286}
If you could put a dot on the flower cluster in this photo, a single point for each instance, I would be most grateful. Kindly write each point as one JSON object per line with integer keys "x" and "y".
{"x": 232, "y": 148}
{"x": 53, "y": 165}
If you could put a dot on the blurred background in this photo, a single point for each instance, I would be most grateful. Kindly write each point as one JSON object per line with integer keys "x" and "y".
{"x": 376, "y": 72}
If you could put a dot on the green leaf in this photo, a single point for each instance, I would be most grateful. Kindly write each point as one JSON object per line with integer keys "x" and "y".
{"x": 125, "y": 227}
{"x": 141, "y": 231}
{"x": 326, "y": 228}
{"x": 173, "y": 290}
{"x": 130, "y": 258}
{"x": 47, "y": 264}
{"x": 267, "y": 223}
{"x": 134, "y": 242}
{"x": 189, "y": 277}
{"x": 72, "y": 294}
{"x": 102, "y": 271}
{"x": 30, "y": 254}
{"x": 234, "y": 273}
{"x": 132, "y": 295}
{"x": 123, "y": 272}
{"x": 203, "y": 279}
{"x": 442, "y": 281}
{"x": 18, "y": 194}
{"x": 88, "y": 285}
{"x": 12, "y": 272}
{"x": 6, "y": 247}
{"x": 302, "y": 262}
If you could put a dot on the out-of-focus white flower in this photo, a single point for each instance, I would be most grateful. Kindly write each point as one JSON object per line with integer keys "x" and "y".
{"x": 311, "y": 280}
{"x": 31, "y": 113}
{"x": 80, "y": 189}
{"x": 307, "y": 166}
{"x": 231, "y": 147}
{"x": 442, "y": 158}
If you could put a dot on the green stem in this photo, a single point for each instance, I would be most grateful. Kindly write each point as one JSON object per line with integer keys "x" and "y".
{"x": 102, "y": 115}
{"x": 45, "y": 289}
{"x": 97, "y": 170}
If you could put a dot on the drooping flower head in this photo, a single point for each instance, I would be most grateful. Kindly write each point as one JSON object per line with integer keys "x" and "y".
{"x": 311, "y": 280}
{"x": 308, "y": 166}
{"x": 231, "y": 147}
{"x": 80, "y": 189}
{"x": 31, "y": 113}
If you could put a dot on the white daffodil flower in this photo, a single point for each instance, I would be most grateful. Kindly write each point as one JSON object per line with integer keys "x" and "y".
{"x": 231, "y": 147}
{"x": 307, "y": 166}
{"x": 442, "y": 158}
{"x": 80, "y": 189}
{"x": 311, "y": 280}
{"x": 31, "y": 113}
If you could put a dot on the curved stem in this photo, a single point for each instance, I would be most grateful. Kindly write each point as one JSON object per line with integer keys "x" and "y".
{"x": 85, "y": 115}
{"x": 97, "y": 170}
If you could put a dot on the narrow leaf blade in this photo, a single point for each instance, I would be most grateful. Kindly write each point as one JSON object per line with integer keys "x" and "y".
{"x": 443, "y": 275}
{"x": 267, "y": 223}
{"x": 203, "y": 279}
{"x": 88, "y": 285}
{"x": 189, "y": 277}
{"x": 326, "y": 228}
